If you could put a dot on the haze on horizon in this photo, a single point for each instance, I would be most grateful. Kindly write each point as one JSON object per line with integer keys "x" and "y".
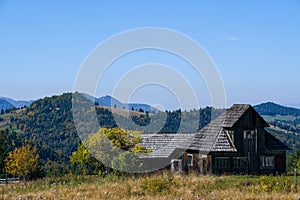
{"x": 255, "y": 46}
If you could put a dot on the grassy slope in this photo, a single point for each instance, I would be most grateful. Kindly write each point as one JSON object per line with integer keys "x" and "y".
{"x": 122, "y": 112}
{"x": 159, "y": 186}
{"x": 6, "y": 123}
{"x": 279, "y": 117}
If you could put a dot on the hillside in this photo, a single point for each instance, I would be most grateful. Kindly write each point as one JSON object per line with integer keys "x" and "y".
{"x": 48, "y": 125}
{"x": 5, "y": 105}
{"x": 109, "y": 101}
{"x": 274, "y": 109}
{"x": 284, "y": 121}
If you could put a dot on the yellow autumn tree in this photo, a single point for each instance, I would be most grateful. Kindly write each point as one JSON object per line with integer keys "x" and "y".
{"x": 23, "y": 161}
{"x": 118, "y": 148}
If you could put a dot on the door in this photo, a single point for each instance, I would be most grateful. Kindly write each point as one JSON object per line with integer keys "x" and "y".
{"x": 249, "y": 147}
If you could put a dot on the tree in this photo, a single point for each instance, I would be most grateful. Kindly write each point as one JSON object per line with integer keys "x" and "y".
{"x": 23, "y": 161}
{"x": 293, "y": 160}
{"x": 106, "y": 145}
{"x": 84, "y": 163}
{"x": 126, "y": 162}
{"x": 2, "y": 111}
{"x": 3, "y": 150}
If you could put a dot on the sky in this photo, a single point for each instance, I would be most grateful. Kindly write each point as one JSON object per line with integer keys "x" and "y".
{"x": 255, "y": 46}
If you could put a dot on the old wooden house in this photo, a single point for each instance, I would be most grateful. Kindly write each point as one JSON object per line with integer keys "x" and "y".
{"x": 236, "y": 142}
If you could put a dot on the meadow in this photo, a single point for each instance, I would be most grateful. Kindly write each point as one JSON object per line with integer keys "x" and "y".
{"x": 163, "y": 185}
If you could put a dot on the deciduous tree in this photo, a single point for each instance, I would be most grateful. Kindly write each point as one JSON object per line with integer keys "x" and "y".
{"x": 117, "y": 147}
{"x": 23, "y": 161}
{"x": 83, "y": 162}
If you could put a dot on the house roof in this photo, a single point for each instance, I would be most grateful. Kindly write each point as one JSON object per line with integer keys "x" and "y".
{"x": 164, "y": 144}
{"x": 231, "y": 116}
{"x": 274, "y": 144}
{"x": 235, "y": 113}
{"x": 212, "y": 137}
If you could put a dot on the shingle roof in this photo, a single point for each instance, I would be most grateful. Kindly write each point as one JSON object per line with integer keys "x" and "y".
{"x": 212, "y": 137}
{"x": 231, "y": 116}
{"x": 273, "y": 144}
{"x": 163, "y": 144}
{"x": 222, "y": 144}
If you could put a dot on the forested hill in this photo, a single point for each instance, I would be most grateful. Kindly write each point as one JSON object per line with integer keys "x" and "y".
{"x": 48, "y": 125}
{"x": 274, "y": 109}
{"x": 284, "y": 121}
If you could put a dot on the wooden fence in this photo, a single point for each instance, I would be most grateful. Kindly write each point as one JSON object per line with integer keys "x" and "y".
{"x": 7, "y": 180}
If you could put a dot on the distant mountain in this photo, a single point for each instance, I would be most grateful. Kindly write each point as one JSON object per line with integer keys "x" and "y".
{"x": 274, "y": 109}
{"x": 109, "y": 101}
{"x": 17, "y": 104}
{"x": 5, "y": 105}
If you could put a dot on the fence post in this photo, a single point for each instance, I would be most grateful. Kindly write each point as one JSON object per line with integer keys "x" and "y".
{"x": 6, "y": 179}
{"x": 295, "y": 179}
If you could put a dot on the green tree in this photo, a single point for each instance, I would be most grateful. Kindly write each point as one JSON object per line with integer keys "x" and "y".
{"x": 84, "y": 163}
{"x": 293, "y": 160}
{"x": 3, "y": 150}
{"x": 107, "y": 145}
{"x": 125, "y": 162}
{"x": 23, "y": 161}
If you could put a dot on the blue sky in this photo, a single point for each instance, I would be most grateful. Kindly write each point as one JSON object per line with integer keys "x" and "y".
{"x": 254, "y": 44}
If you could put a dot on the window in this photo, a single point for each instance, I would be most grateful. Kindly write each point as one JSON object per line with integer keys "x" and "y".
{"x": 250, "y": 134}
{"x": 231, "y": 133}
{"x": 190, "y": 159}
{"x": 267, "y": 161}
{"x": 222, "y": 162}
{"x": 176, "y": 165}
{"x": 239, "y": 162}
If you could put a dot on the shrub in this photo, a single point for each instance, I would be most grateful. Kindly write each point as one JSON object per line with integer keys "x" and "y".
{"x": 271, "y": 183}
{"x": 157, "y": 185}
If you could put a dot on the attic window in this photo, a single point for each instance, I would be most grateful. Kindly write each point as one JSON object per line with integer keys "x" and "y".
{"x": 250, "y": 134}
{"x": 190, "y": 159}
{"x": 231, "y": 135}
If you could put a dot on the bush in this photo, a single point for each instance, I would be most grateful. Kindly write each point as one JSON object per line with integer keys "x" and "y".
{"x": 271, "y": 183}
{"x": 157, "y": 185}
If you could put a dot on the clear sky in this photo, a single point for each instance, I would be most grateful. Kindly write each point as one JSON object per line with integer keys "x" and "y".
{"x": 255, "y": 44}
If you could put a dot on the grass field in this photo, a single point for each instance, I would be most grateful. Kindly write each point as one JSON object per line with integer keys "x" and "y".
{"x": 158, "y": 186}
{"x": 279, "y": 117}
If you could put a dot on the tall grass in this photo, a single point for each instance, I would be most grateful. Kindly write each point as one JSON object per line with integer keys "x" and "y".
{"x": 164, "y": 185}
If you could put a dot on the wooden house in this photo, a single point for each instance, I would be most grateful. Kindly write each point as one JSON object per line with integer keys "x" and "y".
{"x": 236, "y": 142}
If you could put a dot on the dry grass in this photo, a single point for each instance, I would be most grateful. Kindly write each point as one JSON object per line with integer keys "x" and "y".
{"x": 122, "y": 112}
{"x": 158, "y": 186}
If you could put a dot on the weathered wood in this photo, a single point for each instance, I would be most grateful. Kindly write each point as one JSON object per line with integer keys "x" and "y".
{"x": 9, "y": 180}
